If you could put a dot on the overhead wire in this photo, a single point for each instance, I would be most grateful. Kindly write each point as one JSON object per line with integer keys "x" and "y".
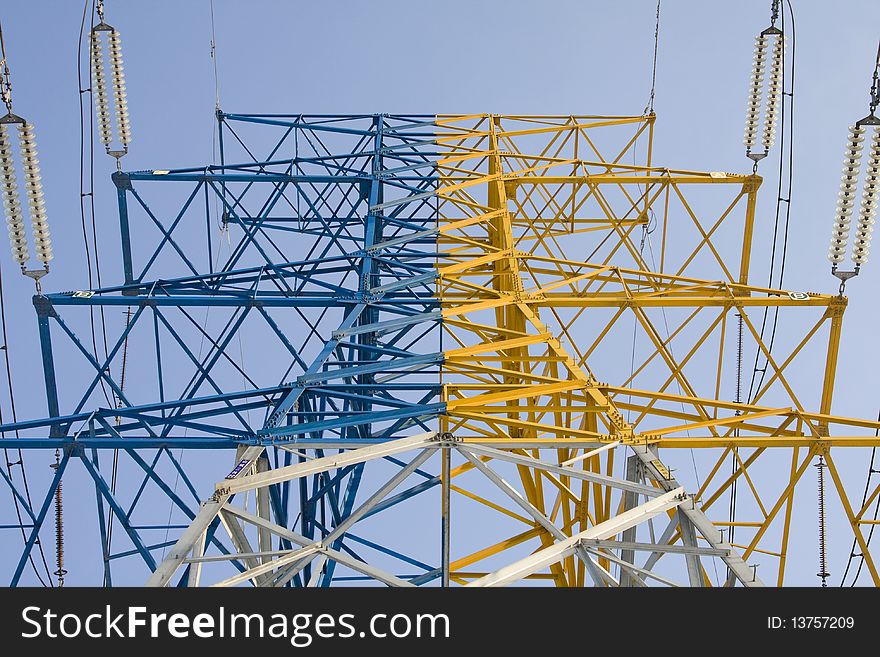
{"x": 218, "y": 248}
{"x": 5, "y": 79}
{"x": 6, "y": 96}
{"x": 91, "y": 261}
{"x": 649, "y": 108}
{"x": 647, "y": 230}
{"x": 872, "y": 469}
{"x": 214, "y": 60}
{"x": 10, "y": 388}
{"x": 114, "y": 470}
{"x": 95, "y": 260}
{"x": 785, "y": 178}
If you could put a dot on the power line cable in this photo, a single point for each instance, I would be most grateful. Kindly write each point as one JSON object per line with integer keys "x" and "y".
{"x": 875, "y": 101}
{"x": 90, "y": 194}
{"x": 214, "y": 60}
{"x": 6, "y": 96}
{"x": 649, "y": 108}
{"x": 786, "y": 175}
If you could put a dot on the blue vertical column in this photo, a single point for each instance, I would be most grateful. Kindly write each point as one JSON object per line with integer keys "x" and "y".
{"x": 369, "y": 278}
{"x": 44, "y": 311}
{"x": 123, "y": 184}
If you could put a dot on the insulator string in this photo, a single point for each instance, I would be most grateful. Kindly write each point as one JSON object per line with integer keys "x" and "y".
{"x": 870, "y": 200}
{"x": 769, "y": 67}
{"x": 774, "y": 93}
{"x": 119, "y": 95}
{"x": 847, "y": 195}
{"x": 868, "y": 126}
{"x": 99, "y": 90}
{"x": 102, "y": 95}
{"x": 11, "y": 202}
{"x": 753, "y": 107}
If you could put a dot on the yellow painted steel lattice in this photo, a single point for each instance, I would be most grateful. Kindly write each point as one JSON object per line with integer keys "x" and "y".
{"x": 541, "y": 265}
{"x": 594, "y": 313}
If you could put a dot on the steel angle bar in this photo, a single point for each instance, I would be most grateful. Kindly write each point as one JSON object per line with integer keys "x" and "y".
{"x": 377, "y": 497}
{"x": 317, "y": 571}
{"x": 689, "y": 539}
{"x": 177, "y": 554}
{"x": 662, "y": 543}
{"x": 528, "y": 507}
{"x": 240, "y": 542}
{"x": 263, "y": 523}
{"x": 244, "y": 556}
{"x": 196, "y": 442}
{"x": 746, "y": 574}
{"x": 367, "y": 569}
{"x": 302, "y": 554}
{"x": 291, "y": 122}
{"x": 389, "y": 325}
{"x": 653, "y": 547}
{"x": 355, "y": 419}
{"x": 421, "y": 279}
{"x": 585, "y": 475}
{"x": 325, "y": 463}
{"x": 195, "y": 569}
{"x": 353, "y": 538}
{"x": 403, "y": 239}
{"x": 514, "y": 495}
{"x": 120, "y": 513}
{"x": 304, "y": 299}
{"x": 140, "y": 412}
{"x": 635, "y": 570}
{"x": 293, "y": 396}
{"x": 18, "y": 496}
{"x": 554, "y": 553}
{"x": 284, "y": 575}
{"x": 335, "y": 555}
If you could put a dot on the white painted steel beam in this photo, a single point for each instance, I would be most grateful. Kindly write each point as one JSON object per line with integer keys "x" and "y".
{"x": 738, "y": 567}
{"x": 339, "y": 557}
{"x": 251, "y": 573}
{"x": 653, "y": 547}
{"x": 179, "y": 552}
{"x": 554, "y": 553}
{"x": 323, "y": 464}
{"x": 532, "y": 510}
{"x": 377, "y": 497}
{"x": 585, "y": 475}
{"x": 636, "y": 573}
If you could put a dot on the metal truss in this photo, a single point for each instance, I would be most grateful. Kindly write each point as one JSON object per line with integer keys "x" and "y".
{"x": 442, "y": 355}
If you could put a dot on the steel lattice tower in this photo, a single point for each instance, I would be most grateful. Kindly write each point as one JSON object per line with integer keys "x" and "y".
{"x": 436, "y": 350}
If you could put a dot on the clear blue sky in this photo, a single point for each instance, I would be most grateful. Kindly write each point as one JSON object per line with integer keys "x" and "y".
{"x": 454, "y": 56}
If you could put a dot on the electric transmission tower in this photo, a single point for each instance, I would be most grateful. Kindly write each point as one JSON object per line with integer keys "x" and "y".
{"x": 437, "y": 350}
